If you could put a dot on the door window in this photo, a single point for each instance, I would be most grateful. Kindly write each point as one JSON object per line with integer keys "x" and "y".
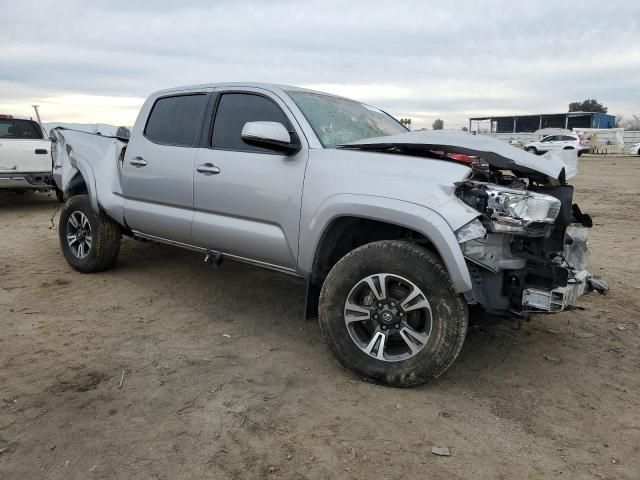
{"x": 236, "y": 109}
{"x": 176, "y": 120}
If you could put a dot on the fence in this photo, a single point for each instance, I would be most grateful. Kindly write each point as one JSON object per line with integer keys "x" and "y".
{"x": 630, "y": 137}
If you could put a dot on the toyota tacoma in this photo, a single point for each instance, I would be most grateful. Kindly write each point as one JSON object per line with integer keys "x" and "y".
{"x": 396, "y": 233}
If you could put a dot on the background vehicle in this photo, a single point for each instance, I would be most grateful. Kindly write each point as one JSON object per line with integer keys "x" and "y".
{"x": 393, "y": 236}
{"x": 635, "y": 149}
{"x": 25, "y": 160}
{"x": 558, "y": 142}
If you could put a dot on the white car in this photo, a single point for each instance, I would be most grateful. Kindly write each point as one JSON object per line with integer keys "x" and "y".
{"x": 25, "y": 158}
{"x": 635, "y": 149}
{"x": 568, "y": 141}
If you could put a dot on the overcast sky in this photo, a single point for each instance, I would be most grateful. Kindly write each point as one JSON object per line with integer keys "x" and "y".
{"x": 93, "y": 63}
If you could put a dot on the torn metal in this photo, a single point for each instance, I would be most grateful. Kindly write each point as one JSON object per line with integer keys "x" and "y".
{"x": 496, "y": 153}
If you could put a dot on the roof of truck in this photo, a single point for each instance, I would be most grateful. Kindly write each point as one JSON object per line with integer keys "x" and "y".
{"x": 9, "y": 116}
{"x": 266, "y": 86}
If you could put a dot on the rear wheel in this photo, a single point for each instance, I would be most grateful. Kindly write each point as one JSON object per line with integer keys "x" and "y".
{"x": 388, "y": 311}
{"x": 90, "y": 241}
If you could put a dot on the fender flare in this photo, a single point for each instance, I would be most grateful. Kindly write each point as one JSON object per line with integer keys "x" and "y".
{"x": 86, "y": 171}
{"x": 416, "y": 217}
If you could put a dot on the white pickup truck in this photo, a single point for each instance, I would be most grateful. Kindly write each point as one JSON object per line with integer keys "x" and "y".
{"x": 25, "y": 159}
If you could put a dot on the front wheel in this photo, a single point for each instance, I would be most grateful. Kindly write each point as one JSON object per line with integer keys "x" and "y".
{"x": 388, "y": 311}
{"x": 533, "y": 150}
{"x": 90, "y": 241}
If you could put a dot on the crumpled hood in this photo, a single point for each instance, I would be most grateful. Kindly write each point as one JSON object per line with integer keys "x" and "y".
{"x": 496, "y": 152}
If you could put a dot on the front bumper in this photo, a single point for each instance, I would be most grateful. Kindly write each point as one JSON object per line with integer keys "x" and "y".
{"x": 556, "y": 300}
{"x": 26, "y": 181}
{"x": 505, "y": 283}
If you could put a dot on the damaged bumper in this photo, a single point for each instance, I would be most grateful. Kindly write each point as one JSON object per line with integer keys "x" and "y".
{"x": 556, "y": 300}
{"x": 515, "y": 276}
{"x": 26, "y": 181}
{"x": 531, "y": 270}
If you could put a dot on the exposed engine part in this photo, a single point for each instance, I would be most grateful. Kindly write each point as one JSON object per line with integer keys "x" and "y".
{"x": 493, "y": 252}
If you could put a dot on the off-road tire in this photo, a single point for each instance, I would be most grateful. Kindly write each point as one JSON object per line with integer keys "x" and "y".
{"x": 106, "y": 235}
{"x": 425, "y": 270}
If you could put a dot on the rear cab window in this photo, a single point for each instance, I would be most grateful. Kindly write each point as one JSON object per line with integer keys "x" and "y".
{"x": 176, "y": 120}
{"x": 20, "y": 129}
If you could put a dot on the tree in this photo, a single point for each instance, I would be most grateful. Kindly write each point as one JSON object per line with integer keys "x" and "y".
{"x": 438, "y": 124}
{"x": 589, "y": 105}
{"x": 633, "y": 124}
{"x": 465, "y": 129}
{"x": 406, "y": 122}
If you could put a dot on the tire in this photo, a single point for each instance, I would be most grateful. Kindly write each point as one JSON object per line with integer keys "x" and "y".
{"x": 533, "y": 150}
{"x": 402, "y": 266}
{"x": 100, "y": 240}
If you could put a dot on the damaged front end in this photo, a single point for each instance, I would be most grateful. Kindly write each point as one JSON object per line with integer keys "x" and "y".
{"x": 527, "y": 251}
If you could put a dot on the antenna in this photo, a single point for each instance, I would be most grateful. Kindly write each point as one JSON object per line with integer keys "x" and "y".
{"x": 35, "y": 107}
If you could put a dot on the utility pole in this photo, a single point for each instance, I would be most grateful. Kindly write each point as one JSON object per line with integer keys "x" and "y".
{"x": 35, "y": 107}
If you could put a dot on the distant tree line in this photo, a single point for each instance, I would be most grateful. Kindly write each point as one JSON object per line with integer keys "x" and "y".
{"x": 589, "y": 105}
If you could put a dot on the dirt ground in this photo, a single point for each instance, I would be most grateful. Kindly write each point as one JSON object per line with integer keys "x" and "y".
{"x": 223, "y": 378}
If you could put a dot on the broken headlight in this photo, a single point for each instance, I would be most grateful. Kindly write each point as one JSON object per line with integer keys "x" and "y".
{"x": 511, "y": 210}
{"x": 519, "y": 211}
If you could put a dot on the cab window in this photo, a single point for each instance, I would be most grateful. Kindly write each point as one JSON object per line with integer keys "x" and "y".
{"x": 236, "y": 109}
{"x": 20, "y": 129}
{"x": 176, "y": 120}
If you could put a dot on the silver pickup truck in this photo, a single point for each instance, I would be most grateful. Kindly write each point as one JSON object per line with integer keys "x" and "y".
{"x": 396, "y": 233}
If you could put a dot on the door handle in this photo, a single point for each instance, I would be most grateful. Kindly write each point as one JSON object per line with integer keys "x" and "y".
{"x": 41, "y": 151}
{"x": 138, "y": 162}
{"x": 208, "y": 169}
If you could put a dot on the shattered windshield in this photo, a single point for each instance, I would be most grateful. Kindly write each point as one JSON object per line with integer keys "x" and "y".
{"x": 337, "y": 120}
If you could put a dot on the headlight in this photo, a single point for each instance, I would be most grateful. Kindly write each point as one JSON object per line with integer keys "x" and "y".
{"x": 519, "y": 210}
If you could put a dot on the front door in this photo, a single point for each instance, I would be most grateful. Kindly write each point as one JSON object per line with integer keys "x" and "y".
{"x": 158, "y": 168}
{"x": 247, "y": 199}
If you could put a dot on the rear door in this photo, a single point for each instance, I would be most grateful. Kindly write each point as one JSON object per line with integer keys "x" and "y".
{"x": 553, "y": 143}
{"x": 569, "y": 141}
{"x": 158, "y": 167}
{"x": 23, "y": 147}
{"x": 250, "y": 207}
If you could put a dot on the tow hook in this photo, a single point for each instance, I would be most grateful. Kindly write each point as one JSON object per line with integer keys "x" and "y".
{"x": 213, "y": 258}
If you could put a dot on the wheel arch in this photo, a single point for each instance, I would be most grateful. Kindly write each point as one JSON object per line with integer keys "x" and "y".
{"x": 83, "y": 181}
{"x": 340, "y": 229}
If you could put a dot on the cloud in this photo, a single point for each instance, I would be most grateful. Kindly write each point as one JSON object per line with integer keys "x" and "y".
{"x": 412, "y": 58}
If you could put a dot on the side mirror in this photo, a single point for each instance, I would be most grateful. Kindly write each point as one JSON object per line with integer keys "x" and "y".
{"x": 271, "y": 135}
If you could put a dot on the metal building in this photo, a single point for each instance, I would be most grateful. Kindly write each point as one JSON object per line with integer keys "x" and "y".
{"x": 531, "y": 123}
